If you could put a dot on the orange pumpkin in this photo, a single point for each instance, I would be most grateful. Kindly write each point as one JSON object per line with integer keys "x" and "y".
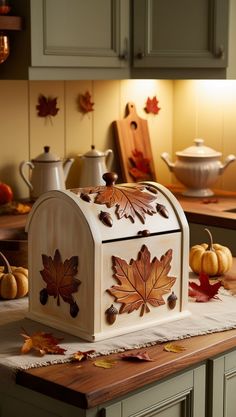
{"x": 13, "y": 281}
{"x": 213, "y": 259}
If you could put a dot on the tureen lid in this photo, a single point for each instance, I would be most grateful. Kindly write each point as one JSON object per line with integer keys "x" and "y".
{"x": 199, "y": 150}
{"x": 47, "y": 156}
{"x": 93, "y": 153}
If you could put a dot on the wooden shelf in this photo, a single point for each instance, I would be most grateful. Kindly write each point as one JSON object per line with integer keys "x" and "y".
{"x": 10, "y": 22}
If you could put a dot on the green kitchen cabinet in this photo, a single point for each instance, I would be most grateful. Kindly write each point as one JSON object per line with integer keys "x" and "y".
{"x": 129, "y": 39}
{"x": 222, "y": 386}
{"x": 119, "y": 39}
{"x": 180, "y": 35}
{"x": 182, "y": 395}
{"x": 80, "y": 34}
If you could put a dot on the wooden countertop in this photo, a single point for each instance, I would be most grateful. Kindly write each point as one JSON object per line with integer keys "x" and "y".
{"x": 211, "y": 211}
{"x": 12, "y": 227}
{"x": 88, "y": 386}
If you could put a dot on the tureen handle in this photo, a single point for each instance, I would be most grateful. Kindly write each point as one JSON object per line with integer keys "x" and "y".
{"x": 230, "y": 158}
{"x": 166, "y": 158}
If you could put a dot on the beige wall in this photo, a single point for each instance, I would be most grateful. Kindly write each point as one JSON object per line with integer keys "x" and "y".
{"x": 207, "y": 109}
{"x": 189, "y": 109}
{"x": 23, "y": 134}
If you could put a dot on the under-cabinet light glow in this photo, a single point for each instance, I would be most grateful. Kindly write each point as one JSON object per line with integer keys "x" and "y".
{"x": 217, "y": 88}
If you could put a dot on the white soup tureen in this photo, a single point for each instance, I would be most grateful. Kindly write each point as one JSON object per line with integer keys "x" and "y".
{"x": 198, "y": 168}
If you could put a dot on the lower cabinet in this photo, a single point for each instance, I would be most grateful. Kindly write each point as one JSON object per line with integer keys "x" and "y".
{"x": 180, "y": 396}
{"x": 222, "y": 386}
{"x": 207, "y": 390}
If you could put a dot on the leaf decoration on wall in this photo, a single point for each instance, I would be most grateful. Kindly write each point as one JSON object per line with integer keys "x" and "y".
{"x": 140, "y": 166}
{"x": 42, "y": 343}
{"x": 85, "y": 103}
{"x": 60, "y": 279}
{"x": 142, "y": 281}
{"x": 47, "y": 106}
{"x": 152, "y": 105}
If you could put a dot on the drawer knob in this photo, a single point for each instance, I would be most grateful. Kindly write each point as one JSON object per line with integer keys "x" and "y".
{"x": 144, "y": 233}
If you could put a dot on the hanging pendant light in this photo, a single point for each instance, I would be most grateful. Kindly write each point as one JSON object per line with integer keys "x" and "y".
{"x": 4, "y": 47}
{"x": 5, "y": 7}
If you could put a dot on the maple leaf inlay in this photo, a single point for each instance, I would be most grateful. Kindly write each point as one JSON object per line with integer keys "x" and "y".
{"x": 128, "y": 200}
{"x": 60, "y": 277}
{"x": 142, "y": 281}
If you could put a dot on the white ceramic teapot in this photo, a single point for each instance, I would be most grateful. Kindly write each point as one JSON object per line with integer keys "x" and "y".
{"x": 197, "y": 167}
{"x": 94, "y": 164}
{"x": 48, "y": 172}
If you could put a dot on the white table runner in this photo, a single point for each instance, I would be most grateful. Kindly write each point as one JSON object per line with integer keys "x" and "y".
{"x": 213, "y": 316}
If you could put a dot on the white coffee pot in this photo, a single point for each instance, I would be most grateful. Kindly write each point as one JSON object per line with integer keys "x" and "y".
{"x": 48, "y": 172}
{"x": 94, "y": 164}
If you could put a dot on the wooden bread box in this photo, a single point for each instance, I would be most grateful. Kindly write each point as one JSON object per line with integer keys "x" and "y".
{"x": 107, "y": 260}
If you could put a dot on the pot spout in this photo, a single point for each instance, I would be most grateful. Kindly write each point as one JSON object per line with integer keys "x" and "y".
{"x": 166, "y": 158}
{"x": 230, "y": 158}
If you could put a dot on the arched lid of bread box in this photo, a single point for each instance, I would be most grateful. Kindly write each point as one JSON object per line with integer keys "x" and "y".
{"x": 121, "y": 211}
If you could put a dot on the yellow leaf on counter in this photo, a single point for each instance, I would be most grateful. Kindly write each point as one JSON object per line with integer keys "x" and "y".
{"x": 105, "y": 363}
{"x": 171, "y": 347}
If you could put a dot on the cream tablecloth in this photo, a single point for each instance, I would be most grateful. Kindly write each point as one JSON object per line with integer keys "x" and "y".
{"x": 213, "y": 316}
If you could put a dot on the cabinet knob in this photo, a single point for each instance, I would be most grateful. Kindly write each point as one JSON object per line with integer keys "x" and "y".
{"x": 124, "y": 56}
{"x": 219, "y": 53}
{"x": 140, "y": 55}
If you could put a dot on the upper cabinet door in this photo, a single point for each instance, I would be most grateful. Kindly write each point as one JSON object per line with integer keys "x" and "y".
{"x": 180, "y": 34}
{"x": 79, "y": 33}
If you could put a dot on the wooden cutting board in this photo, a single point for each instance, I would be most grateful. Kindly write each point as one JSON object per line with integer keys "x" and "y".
{"x": 134, "y": 147}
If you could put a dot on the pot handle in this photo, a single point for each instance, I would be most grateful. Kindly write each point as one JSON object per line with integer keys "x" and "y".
{"x": 21, "y": 168}
{"x": 109, "y": 157}
{"x": 230, "y": 158}
{"x": 166, "y": 158}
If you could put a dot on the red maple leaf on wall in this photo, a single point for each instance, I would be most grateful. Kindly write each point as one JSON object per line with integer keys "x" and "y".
{"x": 152, "y": 105}
{"x": 85, "y": 103}
{"x": 47, "y": 106}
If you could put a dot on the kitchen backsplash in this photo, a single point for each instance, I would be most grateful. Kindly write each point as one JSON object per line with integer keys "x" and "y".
{"x": 188, "y": 109}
